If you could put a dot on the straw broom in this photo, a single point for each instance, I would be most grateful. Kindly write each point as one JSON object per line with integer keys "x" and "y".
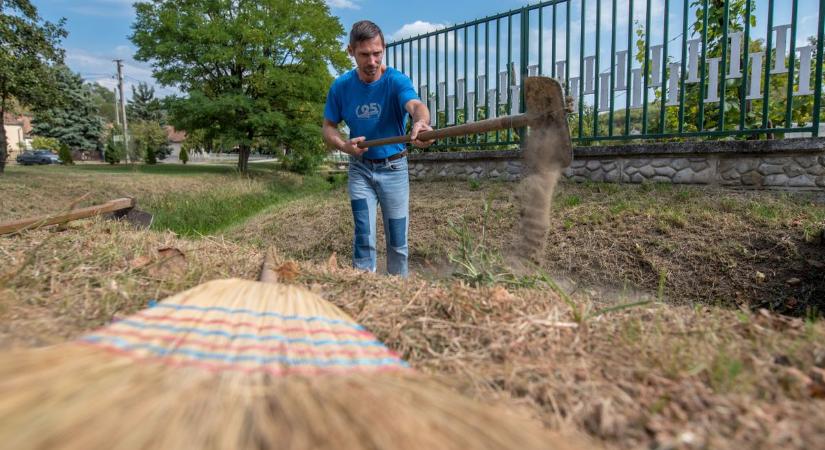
{"x": 236, "y": 364}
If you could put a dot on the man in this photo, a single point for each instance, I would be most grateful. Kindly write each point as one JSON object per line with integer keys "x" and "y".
{"x": 374, "y": 101}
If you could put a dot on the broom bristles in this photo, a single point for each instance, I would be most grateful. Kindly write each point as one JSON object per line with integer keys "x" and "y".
{"x": 236, "y": 364}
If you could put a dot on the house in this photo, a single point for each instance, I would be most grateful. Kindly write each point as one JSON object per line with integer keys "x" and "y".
{"x": 174, "y": 139}
{"x": 18, "y": 130}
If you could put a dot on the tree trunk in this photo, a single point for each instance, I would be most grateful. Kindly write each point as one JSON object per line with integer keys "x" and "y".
{"x": 243, "y": 154}
{"x": 243, "y": 158}
{"x": 3, "y": 138}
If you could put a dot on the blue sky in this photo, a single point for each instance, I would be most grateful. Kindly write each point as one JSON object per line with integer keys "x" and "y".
{"x": 99, "y": 29}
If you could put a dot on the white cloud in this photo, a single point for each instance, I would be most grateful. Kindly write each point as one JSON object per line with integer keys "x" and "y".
{"x": 101, "y": 69}
{"x": 343, "y": 4}
{"x": 415, "y": 28}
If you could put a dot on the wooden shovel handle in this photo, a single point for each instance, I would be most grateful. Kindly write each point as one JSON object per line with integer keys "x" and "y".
{"x": 483, "y": 126}
{"x": 82, "y": 213}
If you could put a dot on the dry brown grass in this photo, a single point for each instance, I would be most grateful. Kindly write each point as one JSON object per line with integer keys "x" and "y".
{"x": 680, "y": 373}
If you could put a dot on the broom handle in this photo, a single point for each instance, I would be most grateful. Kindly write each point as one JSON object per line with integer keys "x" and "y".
{"x": 499, "y": 123}
{"x": 82, "y": 213}
{"x": 268, "y": 274}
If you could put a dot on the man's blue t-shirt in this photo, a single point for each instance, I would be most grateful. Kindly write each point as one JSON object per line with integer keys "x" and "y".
{"x": 374, "y": 110}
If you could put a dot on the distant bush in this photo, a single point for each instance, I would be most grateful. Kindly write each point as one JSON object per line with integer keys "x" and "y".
{"x": 184, "y": 155}
{"x": 304, "y": 162}
{"x": 65, "y": 155}
{"x": 114, "y": 151}
{"x": 46, "y": 143}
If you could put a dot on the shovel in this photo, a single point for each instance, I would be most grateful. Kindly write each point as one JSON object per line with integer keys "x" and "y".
{"x": 121, "y": 208}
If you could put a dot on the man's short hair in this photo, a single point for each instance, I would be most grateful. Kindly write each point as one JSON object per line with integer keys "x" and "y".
{"x": 364, "y": 31}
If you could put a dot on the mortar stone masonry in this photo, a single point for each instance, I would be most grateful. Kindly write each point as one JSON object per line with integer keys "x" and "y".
{"x": 796, "y": 164}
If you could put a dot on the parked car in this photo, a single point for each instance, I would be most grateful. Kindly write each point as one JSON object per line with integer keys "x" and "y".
{"x": 38, "y": 157}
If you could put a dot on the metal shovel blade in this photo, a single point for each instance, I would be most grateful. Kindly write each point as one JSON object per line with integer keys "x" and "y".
{"x": 141, "y": 220}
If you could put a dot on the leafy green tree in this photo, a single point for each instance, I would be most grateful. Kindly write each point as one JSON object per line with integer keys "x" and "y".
{"x": 104, "y": 99}
{"x": 46, "y": 143}
{"x": 144, "y": 105}
{"x": 29, "y": 46}
{"x": 183, "y": 156}
{"x": 65, "y": 155}
{"x": 75, "y": 122}
{"x": 249, "y": 69}
{"x": 148, "y": 140}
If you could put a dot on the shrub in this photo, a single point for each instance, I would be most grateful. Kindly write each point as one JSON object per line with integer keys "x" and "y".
{"x": 184, "y": 155}
{"x": 65, "y": 155}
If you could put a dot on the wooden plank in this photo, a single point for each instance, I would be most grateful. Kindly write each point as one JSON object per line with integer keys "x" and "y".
{"x": 82, "y": 213}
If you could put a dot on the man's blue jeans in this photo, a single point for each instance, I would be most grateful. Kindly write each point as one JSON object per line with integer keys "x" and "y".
{"x": 384, "y": 183}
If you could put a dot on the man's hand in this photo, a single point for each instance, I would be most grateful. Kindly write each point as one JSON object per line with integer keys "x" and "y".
{"x": 351, "y": 147}
{"x": 418, "y": 127}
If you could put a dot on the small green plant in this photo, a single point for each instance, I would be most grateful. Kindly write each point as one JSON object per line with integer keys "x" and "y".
{"x": 183, "y": 156}
{"x": 724, "y": 371}
{"x": 149, "y": 155}
{"x": 660, "y": 291}
{"x": 65, "y": 155}
{"x": 474, "y": 184}
{"x": 571, "y": 200}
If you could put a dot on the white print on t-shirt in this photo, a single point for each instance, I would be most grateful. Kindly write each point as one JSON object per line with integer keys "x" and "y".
{"x": 368, "y": 111}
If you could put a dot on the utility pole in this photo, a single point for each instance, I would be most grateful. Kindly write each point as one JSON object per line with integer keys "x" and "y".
{"x": 117, "y": 109}
{"x": 123, "y": 108}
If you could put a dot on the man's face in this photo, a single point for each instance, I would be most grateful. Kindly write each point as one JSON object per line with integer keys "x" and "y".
{"x": 368, "y": 56}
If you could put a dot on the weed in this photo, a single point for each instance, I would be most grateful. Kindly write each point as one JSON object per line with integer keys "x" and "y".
{"x": 724, "y": 371}
{"x": 571, "y": 200}
{"x": 474, "y": 184}
{"x": 660, "y": 291}
{"x": 764, "y": 211}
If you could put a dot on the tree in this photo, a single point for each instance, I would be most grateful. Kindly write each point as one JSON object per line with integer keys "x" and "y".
{"x": 29, "y": 47}
{"x": 183, "y": 156}
{"x": 251, "y": 69}
{"x": 148, "y": 140}
{"x": 75, "y": 122}
{"x": 104, "y": 99}
{"x": 144, "y": 105}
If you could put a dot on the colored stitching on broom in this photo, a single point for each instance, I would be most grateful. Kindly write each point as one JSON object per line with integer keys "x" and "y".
{"x": 260, "y": 314}
{"x": 252, "y": 336}
{"x": 244, "y": 348}
{"x": 260, "y": 359}
{"x": 145, "y": 316}
{"x": 277, "y": 371}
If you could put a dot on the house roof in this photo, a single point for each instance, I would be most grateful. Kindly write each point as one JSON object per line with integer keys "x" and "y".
{"x": 173, "y": 135}
{"x": 19, "y": 120}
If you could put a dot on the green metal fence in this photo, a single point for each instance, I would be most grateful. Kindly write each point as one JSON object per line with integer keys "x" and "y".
{"x": 636, "y": 69}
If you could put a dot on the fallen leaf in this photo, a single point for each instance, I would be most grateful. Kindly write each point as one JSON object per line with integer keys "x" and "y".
{"x": 760, "y": 276}
{"x": 817, "y": 386}
{"x": 793, "y": 281}
{"x": 171, "y": 262}
{"x": 139, "y": 262}
{"x": 288, "y": 271}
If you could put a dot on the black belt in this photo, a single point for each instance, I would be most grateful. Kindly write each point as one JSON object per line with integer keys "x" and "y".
{"x": 388, "y": 159}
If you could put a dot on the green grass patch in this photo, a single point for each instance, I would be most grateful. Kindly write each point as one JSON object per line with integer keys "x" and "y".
{"x": 208, "y": 212}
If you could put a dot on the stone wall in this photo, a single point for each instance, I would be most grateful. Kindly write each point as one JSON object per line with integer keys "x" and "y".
{"x": 788, "y": 163}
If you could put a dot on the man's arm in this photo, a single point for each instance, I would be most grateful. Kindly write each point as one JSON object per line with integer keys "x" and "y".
{"x": 333, "y": 139}
{"x": 421, "y": 121}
